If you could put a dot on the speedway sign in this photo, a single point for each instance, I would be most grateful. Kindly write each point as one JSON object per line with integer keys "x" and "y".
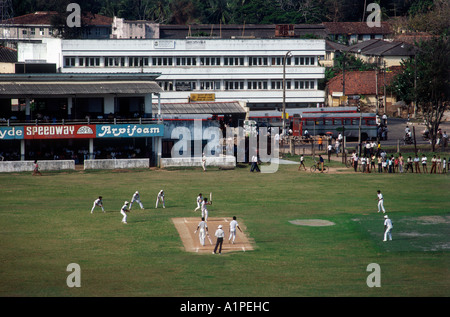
{"x": 59, "y": 132}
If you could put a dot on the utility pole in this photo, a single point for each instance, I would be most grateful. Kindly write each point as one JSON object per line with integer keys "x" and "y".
{"x": 384, "y": 84}
{"x": 288, "y": 54}
{"x": 359, "y": 129}
{"x": 376, "y": 87}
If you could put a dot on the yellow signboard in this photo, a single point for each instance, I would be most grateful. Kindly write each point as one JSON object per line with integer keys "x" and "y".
{"x": 203, "y": 97}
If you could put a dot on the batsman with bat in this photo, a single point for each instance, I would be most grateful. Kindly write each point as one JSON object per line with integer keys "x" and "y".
{"x": 203, "y": 232}
{"x": 204, "y": 209}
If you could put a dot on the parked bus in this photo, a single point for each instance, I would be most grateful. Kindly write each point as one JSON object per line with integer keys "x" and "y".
{"x": 320, "y": 121}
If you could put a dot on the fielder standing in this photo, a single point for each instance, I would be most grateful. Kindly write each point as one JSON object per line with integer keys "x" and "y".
{"x": 233, "y": 225}
{"x": 204, "y": 162}
{"x": 160, "y": 198}
{"x": 98, "y": 202}
{"x": 387, "y": 228}
{"x": 136, "y": 198}
{"x": 380, "y": 201}
{"x": 199, "y": 202}
{"x": 124, "y": 211}
{"x": 203, "y": 231}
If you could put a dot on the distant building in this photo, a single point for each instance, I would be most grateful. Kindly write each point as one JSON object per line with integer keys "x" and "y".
{"x": 332, "y": 50}
{"x": 124, "y": 29}
{"x": 364, "y": 86}
{"x": 354, "y": 32}
{"x": 385, "y": 53}
{"x": 8, "y": 58}
{"x": 200, "y": 69}
{"x": 38, "y": 25}
{"x": 242, "y": 31}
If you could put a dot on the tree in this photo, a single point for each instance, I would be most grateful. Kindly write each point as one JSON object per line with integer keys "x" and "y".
{"x": 430, "y": 86}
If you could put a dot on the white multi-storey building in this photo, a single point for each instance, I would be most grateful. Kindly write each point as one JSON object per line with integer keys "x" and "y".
{"x": 236, "y": 69}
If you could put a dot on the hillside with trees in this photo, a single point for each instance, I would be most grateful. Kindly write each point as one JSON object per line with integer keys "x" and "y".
{"x": 412, "y": 13}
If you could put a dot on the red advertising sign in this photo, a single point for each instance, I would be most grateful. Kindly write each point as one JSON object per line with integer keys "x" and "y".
{"x": 59, "y": 132}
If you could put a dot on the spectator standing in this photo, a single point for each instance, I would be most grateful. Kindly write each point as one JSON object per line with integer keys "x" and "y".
{"x": 416, "y": 164}
{"x": 433, "y": 164}
{"x": 439, "y": 164}
{"x": 355, "y": 161}
{"x": 424, "y": 163}
{"x": 380, "y": 164}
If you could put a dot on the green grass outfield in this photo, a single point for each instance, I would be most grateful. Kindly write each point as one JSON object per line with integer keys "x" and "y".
{"x": 46, "y": 225}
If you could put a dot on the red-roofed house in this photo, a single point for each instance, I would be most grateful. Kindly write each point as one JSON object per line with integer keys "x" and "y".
{"x": 38, "y": 25}
{"x": 362, "y": 85}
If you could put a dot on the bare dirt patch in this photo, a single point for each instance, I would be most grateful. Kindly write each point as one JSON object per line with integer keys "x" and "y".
{"x": 191, "y": 242}
{"x": 312, "y": 222}
{"x": 432, "y": 220}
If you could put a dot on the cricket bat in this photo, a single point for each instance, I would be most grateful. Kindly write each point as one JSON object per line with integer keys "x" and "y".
{"x": 210, "y": 196}
{"x": 209, "y": 238}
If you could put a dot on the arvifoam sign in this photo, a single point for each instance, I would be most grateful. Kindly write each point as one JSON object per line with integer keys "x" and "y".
{"x": 129, "y": 130}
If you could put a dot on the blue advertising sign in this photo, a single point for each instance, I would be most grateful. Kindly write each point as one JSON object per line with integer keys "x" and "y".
{"x": 129, "y": 130}
{"x": 11, "y": 133}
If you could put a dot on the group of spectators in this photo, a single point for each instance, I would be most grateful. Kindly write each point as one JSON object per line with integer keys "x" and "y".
{"x": 382, "y": 163}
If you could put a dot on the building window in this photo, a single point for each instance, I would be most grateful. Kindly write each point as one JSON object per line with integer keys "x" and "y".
{"x": 210, "y": 61}
{"x": 305, "y": 61}
{"x": 233, "y": 61}
{"x": 257, "y": 85}
{"x": 209, "y": 85}
{"x": 89, "y": 61}
{"x": 166, "y": 85}
{"x": 277, "y": 84}
{"x": 70, "y": 62}
{"x": 137, "y": 61}
{"x": 303, "y": 84}
{"x": 258, "y": 61}
{"x": 114, "y": 62}
{"x": 234, "y": 85}
{"x": 162, "y": 61}
{"x": 186, "y": 61}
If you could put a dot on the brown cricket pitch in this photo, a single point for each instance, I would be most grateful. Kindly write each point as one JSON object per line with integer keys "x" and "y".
{"x": 191, "y": 242}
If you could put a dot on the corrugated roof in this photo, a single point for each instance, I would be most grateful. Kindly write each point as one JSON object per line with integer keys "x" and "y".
{"x": 45, "y": 18}
{"x": 7, "y": 55}
{"x": 232, "y": 107}
{"x": 383, "y": 48}
{"x": 12, "y": 89}
{"x": 356, "y": 28}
